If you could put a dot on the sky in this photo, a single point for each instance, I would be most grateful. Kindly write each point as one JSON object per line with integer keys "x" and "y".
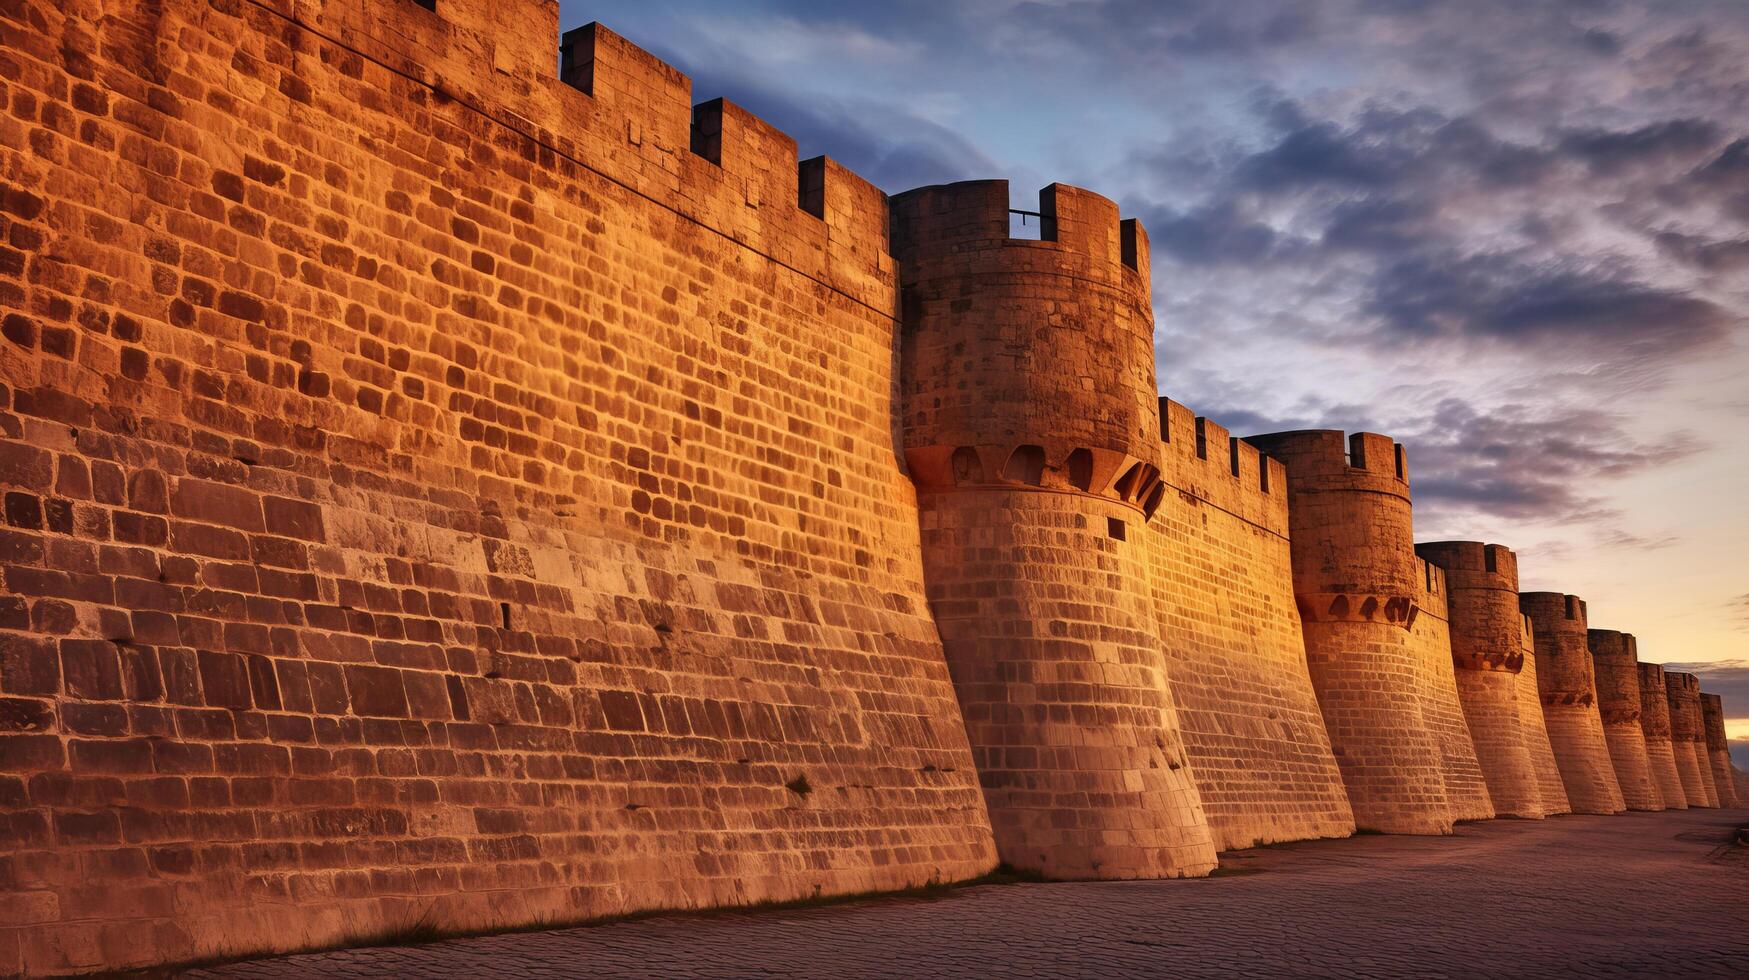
{"x": 1513, "y": 235}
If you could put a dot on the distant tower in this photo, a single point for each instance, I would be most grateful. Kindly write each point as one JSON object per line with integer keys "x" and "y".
{"x": 1615, "y": 662}
{"x": 1688, "y": 738}
{"x": 1032, "y": 431}
{"x": 1549, "y": 785}
{"x": 1655, "y": 725}
{"x": 1487, "y": 648}
{"x": 1355, "y": 579}
{"x": 1569, "y": 694}
{"x": 1712, "y": 710}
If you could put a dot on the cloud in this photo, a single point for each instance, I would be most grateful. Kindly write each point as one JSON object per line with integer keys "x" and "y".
{"x": 1611, "y": 152}
{"x": 1512, "y": 297}
{"x": 1739, "y": 611}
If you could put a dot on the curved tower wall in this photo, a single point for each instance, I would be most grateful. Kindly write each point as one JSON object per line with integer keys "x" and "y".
{"x": 1222, "y": 577}
{"x": 1550, "y": 787}
{"x": 1655, "y": 727}
{"x": 1569, "y": 694}
{"x": 1030, "y": 428}
{"x": 1712, "y": 710}
{"x": 1356, "y": 579}
{"x": 1487, "y": 653}
{"x": 1615, "y": 664}
{"x": 1466, "y": 789}
{"x": 1688, "y": 738}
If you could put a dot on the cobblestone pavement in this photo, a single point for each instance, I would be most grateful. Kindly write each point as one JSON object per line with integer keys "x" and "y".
{"x": 1641, "y": 894}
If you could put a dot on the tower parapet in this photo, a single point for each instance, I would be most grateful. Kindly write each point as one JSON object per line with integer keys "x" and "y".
{"x": 1688, "y": 738}
{"x": 1026, "y": 363}
{"x": 1568, "y": 687}
{"x": 1487, "y": 649}
{"x": 1712, "y": 710}
{"x": 1655, "y": 727}
{"x": 1615, "y": 662}
{"x": 1356, "y": 578}
{"x": 1030, "y": 428}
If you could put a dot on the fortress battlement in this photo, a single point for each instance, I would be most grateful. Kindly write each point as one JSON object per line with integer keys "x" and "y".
{"x": 1201, "y": 459}
{"x": 1329, "y": 459}
{"x": 1473, "y": 565}
{"x": 1080, "y": 234}
{"x": 1555, "y": 612}
{"x": 620, "y": 111}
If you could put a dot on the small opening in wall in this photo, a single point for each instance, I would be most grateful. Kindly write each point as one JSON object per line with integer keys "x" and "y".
{"x": 504, "y": 613}
{"x": 1572, "y": 607}
{"x": 1489, "y": 560}
{"x": 1399, "y": 450}
{"x": 1114, "y": 529}
{"x": 1080, "y": 467}
{"x": 427, "y": 4}
{"x": 1028, "y": 225}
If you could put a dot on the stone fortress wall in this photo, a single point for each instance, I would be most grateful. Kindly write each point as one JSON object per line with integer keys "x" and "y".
{"x": 1222, "y": 579}
{"x": 442, "y": 489}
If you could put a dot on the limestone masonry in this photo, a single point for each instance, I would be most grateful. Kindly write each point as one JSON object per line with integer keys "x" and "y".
{"x": 442, "y": 490}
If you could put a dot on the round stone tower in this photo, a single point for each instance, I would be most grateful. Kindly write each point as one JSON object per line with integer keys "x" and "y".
{"x": 1549, "y": 785}
{"x": 1355, "y": 581}
{"x": 1487, "y": 649}
{"x": 1655, "y": 726}
{"x": 1615, "y": 662}
{"x": 1712, "y": 711}
{"x": 1688, "y": 738}
{"x": 1031, "y": 430}
{"x": 1568, "y": 686}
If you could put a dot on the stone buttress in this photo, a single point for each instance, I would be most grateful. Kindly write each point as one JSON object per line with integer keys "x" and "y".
{"x": 1355, "y": 581}
{"x": 1615, "y": 663}
{"x": 1718, "y": 749}
{"x": 1655, "y": 727}
{"x": 1550, "y": 787}
{"x": 1688, "y": 738}
{"x": 1487, "y": 647}
{"x": 1030, "y": 429}
{"x": 1569, "y": 695}
{"x": 1466, "y": 790}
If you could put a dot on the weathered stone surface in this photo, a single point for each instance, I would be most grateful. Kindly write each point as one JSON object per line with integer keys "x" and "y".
{"x": 1356, "y": 579}
{"x": 1031, "y": 430}
{"x": 1616, "y": 663}
{"x": 1487, "y": 647}
{"x": 1568, "y": 687}
{"x": 1688, "y": 739}
{"x": 1655, "y": 727}
{"x": 443, "y": 490}
{"x": 1223, "y": 590}
{"x": 1718, "y": 748}
{"x": 439, "y": 489}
